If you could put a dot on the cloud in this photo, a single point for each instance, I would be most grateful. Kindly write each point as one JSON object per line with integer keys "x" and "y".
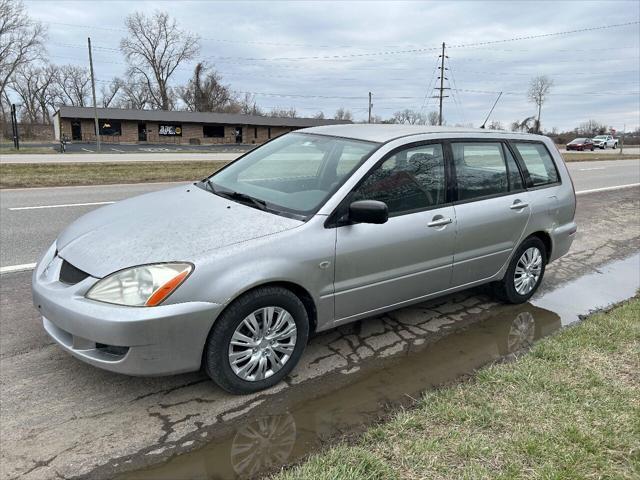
{"x": 593, "y": 72}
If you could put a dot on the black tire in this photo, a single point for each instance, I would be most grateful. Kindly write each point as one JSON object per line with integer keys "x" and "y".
{"x": 216, "y": 359}
{"x": 505, "y": 289}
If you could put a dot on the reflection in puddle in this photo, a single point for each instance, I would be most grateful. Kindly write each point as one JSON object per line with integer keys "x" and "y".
{"x": 263, "y": 444}
{"x": 287, "y": 427}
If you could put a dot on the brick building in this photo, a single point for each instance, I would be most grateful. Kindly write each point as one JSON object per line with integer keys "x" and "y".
{"x": 159, "y": 126}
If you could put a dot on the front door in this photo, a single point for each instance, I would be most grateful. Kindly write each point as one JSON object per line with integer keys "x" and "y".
{"x": 238, "y": 134}
{"x": 142, "y": 132}
{"x": 492, "y": 209}
{"x": 76, "y": 130}
{"x": 410, "y": 256}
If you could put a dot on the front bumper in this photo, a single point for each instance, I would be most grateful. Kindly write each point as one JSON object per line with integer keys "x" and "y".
{"x": 161, "y": 340}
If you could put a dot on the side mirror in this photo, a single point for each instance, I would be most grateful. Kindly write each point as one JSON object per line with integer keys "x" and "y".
{"x": 368, "y": 211}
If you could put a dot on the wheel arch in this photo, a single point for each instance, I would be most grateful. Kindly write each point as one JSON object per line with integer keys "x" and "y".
{"x": 299, "y": 291}
{"x": 545, "y": 238}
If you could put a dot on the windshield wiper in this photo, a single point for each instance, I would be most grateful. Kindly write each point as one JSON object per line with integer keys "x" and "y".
{"x": 243, "y": 197}
{"x": 209, "y": 185}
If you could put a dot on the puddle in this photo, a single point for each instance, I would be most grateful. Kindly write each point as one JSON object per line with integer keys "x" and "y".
{"x": 288, "y": 427}
{"x": 611, "y": 284}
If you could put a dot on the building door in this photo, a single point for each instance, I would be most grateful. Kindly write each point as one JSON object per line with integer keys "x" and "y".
{"x": 142, "y": 132}
{"x": 238, "y": 134}
{"x": 76, "y": 130}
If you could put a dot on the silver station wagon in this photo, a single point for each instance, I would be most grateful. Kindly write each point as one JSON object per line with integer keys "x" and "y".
{"x": 309, "y": 231}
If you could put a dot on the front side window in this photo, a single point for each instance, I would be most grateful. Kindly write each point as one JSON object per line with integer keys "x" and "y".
{"x": 412, "y": 179}
{"x": 293, "y": 174}
{"x": 538, "y": 162}
{"x": 481, "y": 170}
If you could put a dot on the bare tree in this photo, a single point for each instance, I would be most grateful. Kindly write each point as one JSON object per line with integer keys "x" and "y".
{"x": 283, "y": 112}
{"x": 248, "y": 105}
{"x": 526, "y": 125}
{"x": 35, "y": 87}
{"x": 154, "y": 48}
{"x": 21, "y": 43}
{"x": 409, "y": 117}
{"x": 433, "y": 118}
{"x": 134, "y": 94}
{"x": 495, "y": 125}
{"x": 591, "y": 128}
{"x": 109, "y": 92}
{"x": 343, "y": 114}
{"x": 539, "y": 89}
{"x": 206, "y": 93}
{"x": 319, "y": 115}
{"x": 73, "y": 85}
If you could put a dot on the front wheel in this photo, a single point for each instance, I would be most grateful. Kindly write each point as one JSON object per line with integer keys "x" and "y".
{"x": 257, "y": 340}
{"x": 525, "y": 272}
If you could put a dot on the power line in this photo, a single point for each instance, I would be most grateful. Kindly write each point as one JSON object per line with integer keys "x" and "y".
{"x": 412, "y": 50}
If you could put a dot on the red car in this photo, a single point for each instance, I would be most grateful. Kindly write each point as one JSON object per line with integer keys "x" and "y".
{"x": 581, "y": 144}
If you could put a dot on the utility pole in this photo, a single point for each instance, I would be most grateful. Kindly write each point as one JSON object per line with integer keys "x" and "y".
{"x": 370, "y": 107}
{"x": 442, "y": 88}
{"x": 93, "y": 90}
{"x": 624, "y": 130}
{"x": 14, "y": 127}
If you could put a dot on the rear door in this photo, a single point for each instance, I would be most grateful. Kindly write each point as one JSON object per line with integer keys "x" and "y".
{"x": 411, "y": 255}
{"x": 492, "y": 208}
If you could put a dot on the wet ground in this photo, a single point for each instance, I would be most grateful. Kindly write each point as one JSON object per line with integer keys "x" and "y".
{"x": 62, "y": 418}
{"x": 283, "y": 430}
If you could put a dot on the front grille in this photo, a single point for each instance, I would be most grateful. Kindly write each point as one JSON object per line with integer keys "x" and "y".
{"x": 112, "y": 349}
{"x": 70, "y": 274}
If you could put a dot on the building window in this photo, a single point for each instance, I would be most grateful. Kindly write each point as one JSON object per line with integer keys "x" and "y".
{"x": 110, "y": 127}
{"x": 255, "y": 132}
{"x": 213, "y": 131}
{"x": 269, "y": 132}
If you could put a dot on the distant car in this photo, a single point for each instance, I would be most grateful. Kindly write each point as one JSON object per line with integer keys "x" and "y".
{"x": 605, "y": 141}
{"x": 581, "y": 144}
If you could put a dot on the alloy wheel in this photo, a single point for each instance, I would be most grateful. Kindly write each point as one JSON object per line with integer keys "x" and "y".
{"x": 528, "y": 271}
{"x": 262, "y": 343}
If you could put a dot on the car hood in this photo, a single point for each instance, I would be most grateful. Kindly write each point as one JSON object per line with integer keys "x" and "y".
{"x": 178, "y": 224}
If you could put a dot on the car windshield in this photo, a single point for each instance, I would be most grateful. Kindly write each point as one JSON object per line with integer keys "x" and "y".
{"x": 292, "y": 175}
{"x": 600, "y": 137}
{"x": 579, "y": 140}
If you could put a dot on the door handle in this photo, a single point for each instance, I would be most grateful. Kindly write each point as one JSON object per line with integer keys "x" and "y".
{"x": 518, "y": 205}
{"x": 439, "y": 221}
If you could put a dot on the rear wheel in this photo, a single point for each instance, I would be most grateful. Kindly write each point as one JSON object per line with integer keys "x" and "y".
{"x": 257, "y": 340}
{"x": 525, "y": 272}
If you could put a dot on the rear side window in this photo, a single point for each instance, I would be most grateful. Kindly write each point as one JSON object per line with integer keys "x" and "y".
{"x": 412, "y": 179}
{"x": 480, "y": 169}
{"x": 539, "y": 163}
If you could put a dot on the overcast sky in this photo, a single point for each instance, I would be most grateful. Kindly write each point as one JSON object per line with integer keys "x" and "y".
{"x": 346, "y": 49}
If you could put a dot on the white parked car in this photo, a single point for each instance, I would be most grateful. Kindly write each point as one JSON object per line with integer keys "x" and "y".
{"x": 605, "y": 141}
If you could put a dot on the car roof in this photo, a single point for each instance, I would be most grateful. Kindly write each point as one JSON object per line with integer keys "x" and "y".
{"x": 382, "y": 133}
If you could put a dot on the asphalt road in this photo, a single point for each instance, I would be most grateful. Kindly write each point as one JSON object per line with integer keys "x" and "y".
{"x": 61, "y": 418}
{"x": 31, "y": 218}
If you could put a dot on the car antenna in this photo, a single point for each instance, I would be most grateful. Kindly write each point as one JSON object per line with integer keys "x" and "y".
{"x": 491, "y": 111}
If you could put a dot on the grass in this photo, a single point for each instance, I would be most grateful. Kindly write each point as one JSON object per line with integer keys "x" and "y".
{"x": 570, "y": 409}
{"x": 595, "y": 156}
{"x": 16, "y": 175}
{"x": 25, "y": 149}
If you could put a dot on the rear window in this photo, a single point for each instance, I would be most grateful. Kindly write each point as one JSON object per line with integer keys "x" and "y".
{"x": 539, "y": 163}
{"x": 480, "y": 169}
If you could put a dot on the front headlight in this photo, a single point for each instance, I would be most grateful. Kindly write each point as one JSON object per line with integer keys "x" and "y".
{"x": 143, "y": 286}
